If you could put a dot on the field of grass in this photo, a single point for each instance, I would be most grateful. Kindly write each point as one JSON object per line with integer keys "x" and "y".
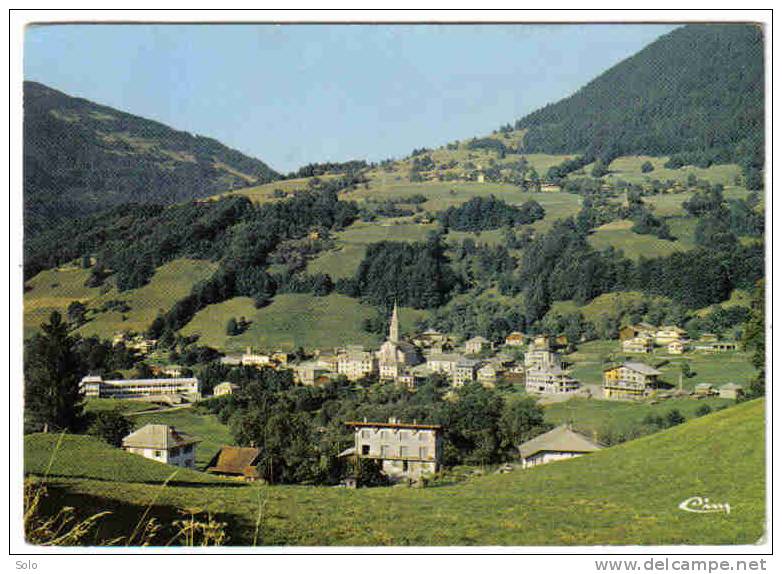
{"x": 351, "y": 243}
{"x": 591, "y": 416}
{"x": 291, "y": 321}
{"x": 625, "y": 495}
{"x": 123, "y": 405}
{"x": 628, "y": 168}
{"x": 618, "y": 234}
{"x": 265, "y": 192}
{"x": 606, "y": 304}
{"x": 56, "y": 289}
{"x": 205, "y": 427}
{"x": 714, "y": 368}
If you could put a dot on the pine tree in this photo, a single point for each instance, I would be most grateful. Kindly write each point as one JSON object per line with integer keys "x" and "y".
{"x": 52, "y": 371}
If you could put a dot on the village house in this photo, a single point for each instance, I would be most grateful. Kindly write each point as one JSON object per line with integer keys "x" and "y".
{"x": 723, "y": 346}
{"x": 231, "y": 360}
{"x": 255, "y": 359}
{"x": 162, "y": 443}
{"x": 224, "y": 388}
{"x": 541, "y": 359}
{"x": 307, "y": 372}
{"x": 475, "y": 345}
{"x": 356, "y": 363}
{"x": 638, "y": 345}
{"x": 638, "y": 330}
{"x": 551, "y": 380}
{"x": 629, "y": 381}
{"x": 444, "y": 363}
{"x": 171, "y": 371}
{"x": 515, "y": 339}
{"x": 704, "y": 390}
{"x": 236, "y": 461}
{"x": 541, "y": 342}
{"x": 465, "y": 372}
{"x": 429, "y": 338}
{"x": 669, "y": 334}
{"x": 731, "y": 391}
{"x": 709, "y": 338}
{"x": 175, "y": 389}
{"x": 395, "y": 356}
{"x": 558, "y": 444}
{"x": 490, "y": 372}
{"x": 404, "y": 450}
{"x": 676, "y": 347}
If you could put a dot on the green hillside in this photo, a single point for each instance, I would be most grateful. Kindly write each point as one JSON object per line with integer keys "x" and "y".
{"x": 624, "y": 495}
{"x": 697, "y": 90}
{"x": 55, "y": 289}
{"x": 81, "y": 157}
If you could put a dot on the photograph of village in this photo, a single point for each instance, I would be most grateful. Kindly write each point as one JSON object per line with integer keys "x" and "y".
{"x": 463, "y": 285}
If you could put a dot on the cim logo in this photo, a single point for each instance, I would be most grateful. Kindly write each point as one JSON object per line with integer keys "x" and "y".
{"x": 702, "y": 505}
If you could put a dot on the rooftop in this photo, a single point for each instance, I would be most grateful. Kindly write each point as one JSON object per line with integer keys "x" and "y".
{"x": 560, "y": 439}
{"x": 235, "y": 460}
{"x": 359, "y": 424}
{"x": 158, "y": 436}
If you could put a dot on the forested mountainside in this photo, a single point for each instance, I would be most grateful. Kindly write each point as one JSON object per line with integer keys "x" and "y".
{"x": 695, "y": 94}
{"x": 81, "y": 157}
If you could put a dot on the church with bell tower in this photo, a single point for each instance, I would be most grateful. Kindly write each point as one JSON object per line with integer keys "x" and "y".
{"x": 396, "y": 356}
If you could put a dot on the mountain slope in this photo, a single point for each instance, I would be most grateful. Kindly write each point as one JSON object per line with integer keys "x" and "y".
{"x": 698, "y": 89}
{"x": 81, "y": 157}
{"x": 628, "y": 494}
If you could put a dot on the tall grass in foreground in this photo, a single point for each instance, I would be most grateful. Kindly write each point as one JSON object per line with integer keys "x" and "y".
{"x": 64, "y": 528}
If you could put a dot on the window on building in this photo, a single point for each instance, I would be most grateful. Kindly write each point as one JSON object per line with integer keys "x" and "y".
{"x": 158, "y": 453}
{"x": 423, "y": 452}
{"x": 385, "y": 451}
{"x": 404, "y": 465}
{"x": 402, "y": 436}
{"x": 404, "y": 451}
{"x": 364, "y": 449}
{"x": 187, "y": 449}
{"x": 174, "y": 452}
{"x": 365, "y": 433}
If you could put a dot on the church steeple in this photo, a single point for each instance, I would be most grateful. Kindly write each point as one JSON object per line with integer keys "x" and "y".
{"x": 393, "y": 331}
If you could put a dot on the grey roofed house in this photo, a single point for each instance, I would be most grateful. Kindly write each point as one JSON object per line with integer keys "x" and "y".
{"x": 642, "y": 368}
{"x": 157, "y": 436}
{"x": 559, "y": 439}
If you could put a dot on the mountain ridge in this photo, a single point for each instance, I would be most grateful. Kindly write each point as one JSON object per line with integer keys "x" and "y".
{"x": 81, "y": 157}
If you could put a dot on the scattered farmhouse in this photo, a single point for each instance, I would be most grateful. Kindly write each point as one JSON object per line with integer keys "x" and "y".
{"x": 640, "y": 344}
{"x": 638, "y": 330}
{"x": 557, "y": 444}
{"x": 676, "y": 347}
{"x": 404, "y": 450}
{"x": 162, "y": 443}
{"x": 475, "y": 345}
{"x": 236, "y": 461}
{"x": 704, "y": 390}
{"x": 731, "y": 391}
{"x": 515, "y": 339}
{"x": 188, "y": 388}
{"x": 629, "y": 381}
{"x": 225, "y": 388}
{"x": 255, "y": 359}
{"x": 669, "y": 334}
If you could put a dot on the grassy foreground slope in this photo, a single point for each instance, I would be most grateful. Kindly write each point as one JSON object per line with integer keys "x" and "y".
{"x": 625, "y": 495}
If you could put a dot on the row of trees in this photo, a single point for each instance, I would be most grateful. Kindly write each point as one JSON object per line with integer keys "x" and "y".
{"x": 484, "y": 213}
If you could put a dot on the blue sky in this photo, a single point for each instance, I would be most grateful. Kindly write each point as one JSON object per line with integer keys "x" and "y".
{"x": 292, "y": 95}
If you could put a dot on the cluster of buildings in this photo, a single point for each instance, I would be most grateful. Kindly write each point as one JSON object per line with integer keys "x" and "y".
{"x": 173, "y": 390}
{"x": 643, "y": 338}
{"x": 411, "y": 362}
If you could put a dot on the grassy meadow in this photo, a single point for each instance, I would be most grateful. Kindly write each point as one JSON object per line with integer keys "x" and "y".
{"x": 291, "y": 321}
{"x": 55, "y": 289}
{"x": 624, "y": 495}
